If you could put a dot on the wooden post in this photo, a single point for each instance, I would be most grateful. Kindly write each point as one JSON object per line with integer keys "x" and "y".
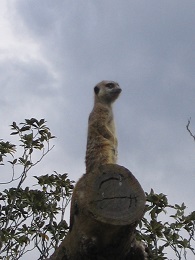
{"x": 105, "y": 209}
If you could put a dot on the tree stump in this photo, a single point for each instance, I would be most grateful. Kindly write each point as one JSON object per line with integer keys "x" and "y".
{"x": 105, "y": 209}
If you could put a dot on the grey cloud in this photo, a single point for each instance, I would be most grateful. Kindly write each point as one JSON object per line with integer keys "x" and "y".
{"x": 32, "y": 75}
{"x": 141, "y": 45}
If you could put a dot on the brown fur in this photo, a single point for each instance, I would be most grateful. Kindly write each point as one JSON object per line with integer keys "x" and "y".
{"x": 102, "y": 140}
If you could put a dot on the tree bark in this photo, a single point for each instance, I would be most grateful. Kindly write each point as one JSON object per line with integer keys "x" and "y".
{"x": 105, "y": 209}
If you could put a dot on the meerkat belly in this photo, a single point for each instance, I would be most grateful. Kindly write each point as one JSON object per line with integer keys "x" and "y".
{"x": 101, "y": 150}
{"x": 111, "y": 127}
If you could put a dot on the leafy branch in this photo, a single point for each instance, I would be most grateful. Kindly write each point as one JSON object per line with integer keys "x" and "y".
{"x": 159, "y": 235}
{"x": 27, "y": 216}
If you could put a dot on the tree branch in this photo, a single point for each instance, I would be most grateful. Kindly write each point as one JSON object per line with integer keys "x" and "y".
{"x": 188, "y": 129}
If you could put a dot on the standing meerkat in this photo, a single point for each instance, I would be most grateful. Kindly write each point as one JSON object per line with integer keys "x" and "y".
{"x": 101, "y": 139}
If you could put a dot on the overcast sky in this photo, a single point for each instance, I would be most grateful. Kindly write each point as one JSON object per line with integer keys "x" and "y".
{"x": 52, "y": 54}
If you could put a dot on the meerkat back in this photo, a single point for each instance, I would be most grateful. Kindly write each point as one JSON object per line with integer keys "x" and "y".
{"x": 101, "y": 139}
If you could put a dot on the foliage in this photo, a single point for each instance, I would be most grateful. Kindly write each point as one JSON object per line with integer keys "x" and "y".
{"x": 178, "y": 233}
{"x": 28, "y": 217}
{"x": 34, "y": 218}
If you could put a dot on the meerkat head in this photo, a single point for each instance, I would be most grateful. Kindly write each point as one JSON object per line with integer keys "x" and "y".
{"x": 107, "y": 91}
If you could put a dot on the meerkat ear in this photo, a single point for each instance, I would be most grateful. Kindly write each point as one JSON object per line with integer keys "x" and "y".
{"x": 96, "y": 90}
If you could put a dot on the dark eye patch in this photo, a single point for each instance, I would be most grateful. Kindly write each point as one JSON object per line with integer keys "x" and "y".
{"x": 110, "y": 85}
{"x": 96, "y": 90}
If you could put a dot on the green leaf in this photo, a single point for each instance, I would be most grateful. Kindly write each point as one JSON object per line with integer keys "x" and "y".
{"x": 14, "y": 133}
{"x": 42, "y": 121}
{"x": 25, "y": 128}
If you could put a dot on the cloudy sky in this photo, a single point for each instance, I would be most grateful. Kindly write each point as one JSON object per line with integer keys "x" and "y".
{"x": 52, "y": 53}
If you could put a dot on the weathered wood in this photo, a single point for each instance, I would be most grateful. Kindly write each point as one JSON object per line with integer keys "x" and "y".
{"x": 116, "y": 197}
{"x": 105, "y": 209}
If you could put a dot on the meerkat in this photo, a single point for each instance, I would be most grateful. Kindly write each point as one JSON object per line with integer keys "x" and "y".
{"x": 101, "y": 139}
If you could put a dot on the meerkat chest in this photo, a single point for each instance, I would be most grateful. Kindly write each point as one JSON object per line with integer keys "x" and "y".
{"x": 101, "y": 118}
{"x": 109, "y": 120}
{"x": 111, "y": 126}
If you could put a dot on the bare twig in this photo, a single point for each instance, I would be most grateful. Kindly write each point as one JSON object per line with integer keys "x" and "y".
{"x": 188, "y": 129}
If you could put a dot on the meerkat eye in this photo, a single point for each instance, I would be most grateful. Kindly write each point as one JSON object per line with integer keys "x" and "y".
{"x": 110, "y": 85}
